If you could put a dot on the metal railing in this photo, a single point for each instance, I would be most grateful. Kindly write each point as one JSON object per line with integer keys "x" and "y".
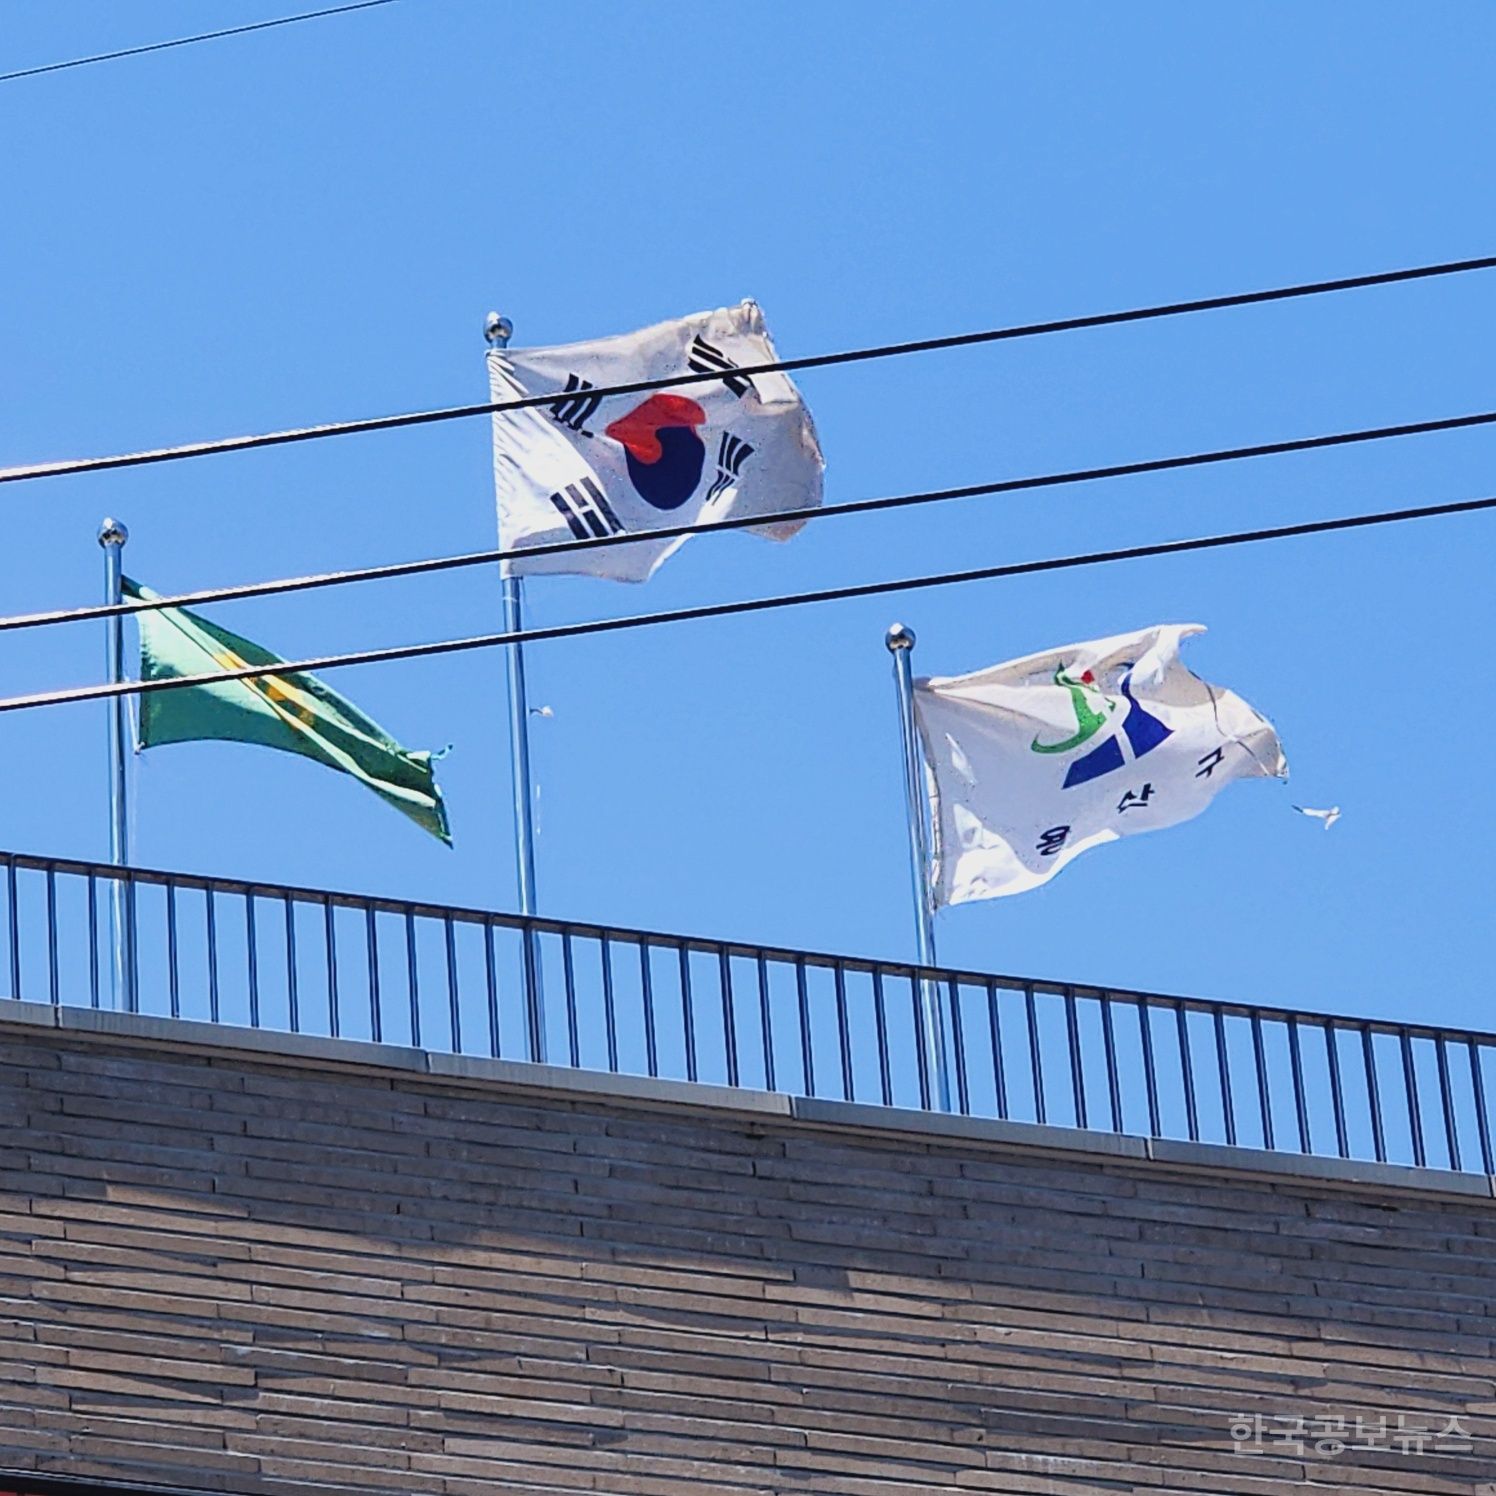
{"x": 471, "y": 981}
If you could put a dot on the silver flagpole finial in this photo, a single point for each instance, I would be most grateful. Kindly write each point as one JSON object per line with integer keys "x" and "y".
{"x": 497, "y": 330}
{"x": 112, "y": 532}
{"x": 899, "y": 636}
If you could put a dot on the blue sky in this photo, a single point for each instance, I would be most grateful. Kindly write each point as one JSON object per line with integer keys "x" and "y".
{"x": 310, "y": 223}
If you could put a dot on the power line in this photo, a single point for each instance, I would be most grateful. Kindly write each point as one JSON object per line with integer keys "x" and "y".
{"x": 399, "y": 569}
{"x": 781, "y": 366}
{"x": 752, "y": 605}
{"x": 187, "y": 41}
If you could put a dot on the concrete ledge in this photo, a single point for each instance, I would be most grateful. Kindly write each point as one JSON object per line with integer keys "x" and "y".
{"x": 34, "y": 1015}
{"x": 399, "y": 1063}
{"x": 864, "y": 1118}
{"x": 562, "y": 1080}
{"x": 1316, "y": 1166}
{"x": 188, "y": 1031}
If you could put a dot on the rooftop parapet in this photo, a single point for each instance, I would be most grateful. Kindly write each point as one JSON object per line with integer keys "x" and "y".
{"x": 445, "y": 980}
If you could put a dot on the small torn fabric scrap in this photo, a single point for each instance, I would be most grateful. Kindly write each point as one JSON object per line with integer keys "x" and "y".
{"x": 1329, "y": 817}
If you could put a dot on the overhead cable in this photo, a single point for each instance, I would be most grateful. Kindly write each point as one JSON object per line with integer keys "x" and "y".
{"x": 781, "y": 366}
{"x": 399, "y": 569}
{"x": 187, "y": 41}
{"x": 751, "y": 605}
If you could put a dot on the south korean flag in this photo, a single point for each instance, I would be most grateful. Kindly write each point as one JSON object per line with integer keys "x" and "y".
{"x": 584, "y": 466}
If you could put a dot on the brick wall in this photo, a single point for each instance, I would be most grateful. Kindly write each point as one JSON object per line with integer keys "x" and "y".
{"x": 231, "y": 1270}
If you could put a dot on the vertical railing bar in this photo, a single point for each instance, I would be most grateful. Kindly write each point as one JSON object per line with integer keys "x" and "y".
{"x": 880, "y": 1018}
{"x": 1410, "y": 1086}
{"x": 729, "y": 1017}
{"x": 1036, "y": 1065}
{"x": 491, "y": 990}
{"x": 958, "y": 1049}
{"x": 995, "y": 1037}
{"x": 802, "y": 1008}
{"x": 1223, "y": 1062}
{"x": 293, "y": 988}
{"x": 54, "y": 980}
{"x": 371, "y": 942}
{"x": 13, "y": 903}
{"x": 1109, "y": 1049}
{"x": 646, "y": 981}
{"x": 532, "y": 967}
{"x": 569, "y": 981}
{"x": 766, "y": 1021}
{"x": 1373, "y": 1094}
{"x": 93, "y": 941}
{"x": 1150, "y": 1068}
{"x": 1296, "y": 1067}
{"x": 1482, "y": 1120}
{"x": 844, "y": 1032}
{"x": 1072, "y": 1039}
{"x": 1187, "y": 1072}
{"x": 688, "y": 1010}
{"x": 1337, "y": 1092}
{"x": 454, "y": 1000}
{"x": 1446, "y": 1101}
{"x": 921, "y": 1049}
{"x": 1264, "y": 1099}
{"x": 210, "y": 909}
{"x": 610, "y": 1014}
{"x": 132, "y": 947}
{"x": 173, "y": 980}
{"x": 330, "y": 938}
{"x": 412, "y": 979}
{"x": 252, "y": 954}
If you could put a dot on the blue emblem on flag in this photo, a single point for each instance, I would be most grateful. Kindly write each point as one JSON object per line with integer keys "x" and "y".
{"x": 1144, "y": 733}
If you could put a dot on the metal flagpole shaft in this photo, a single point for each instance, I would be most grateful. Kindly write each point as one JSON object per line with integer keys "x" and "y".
{"x": 497, "y": 331}
{"x": 524, "y": 819}
{"x": 112, "y": 537}
{"x": 900, "y": 642}
{"x": 519, "y": 740}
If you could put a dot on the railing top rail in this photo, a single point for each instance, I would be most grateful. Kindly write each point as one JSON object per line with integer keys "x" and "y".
{"x": 708, "y": 945}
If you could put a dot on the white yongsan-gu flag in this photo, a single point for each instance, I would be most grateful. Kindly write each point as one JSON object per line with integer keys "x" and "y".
{"x": 585, "y": 465}
{"x": 1031, "y": 763}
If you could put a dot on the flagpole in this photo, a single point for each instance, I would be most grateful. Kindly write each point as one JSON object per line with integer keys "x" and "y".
{"x": 497, "y": 331}
{"x": 900, "y": 642}
{"x": 112, "y": 537}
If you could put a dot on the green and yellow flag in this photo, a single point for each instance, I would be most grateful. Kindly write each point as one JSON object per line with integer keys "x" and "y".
{"x": 293, "y": 712}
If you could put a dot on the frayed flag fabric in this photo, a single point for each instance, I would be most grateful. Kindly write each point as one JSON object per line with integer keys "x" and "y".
{"x": 585, "y": 466}
{"x": 1030, "y": 763}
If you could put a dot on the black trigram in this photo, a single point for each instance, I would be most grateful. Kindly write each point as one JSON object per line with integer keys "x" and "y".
{"x": 704, "y": 359}
{"x": 586, "y": 510}
{"x": 732, "y": 453}
{"x": 577, "y": 406}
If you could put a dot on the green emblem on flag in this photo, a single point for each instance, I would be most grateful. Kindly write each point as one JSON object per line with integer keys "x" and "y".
{"x": 1087, "y": 721}
{"x": 291, "y": 711}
